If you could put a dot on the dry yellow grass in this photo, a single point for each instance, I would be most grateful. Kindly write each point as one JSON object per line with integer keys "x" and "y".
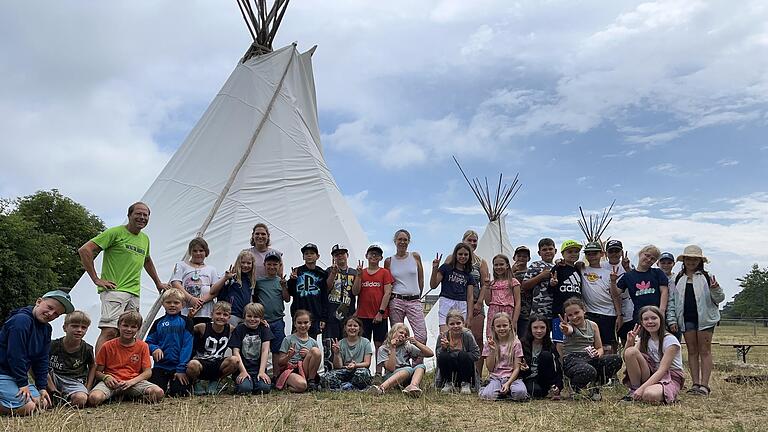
{"x": 732, "y": 407}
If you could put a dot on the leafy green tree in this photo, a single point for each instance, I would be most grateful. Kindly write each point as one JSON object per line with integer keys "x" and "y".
{"x": 60, "y": 216}
{"x": 27, "y": 262}
{"x": 752, "y": 301}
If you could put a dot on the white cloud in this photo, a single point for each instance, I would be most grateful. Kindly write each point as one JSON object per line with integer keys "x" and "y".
{"x": 665, "y": 168}
{"x": 727, "y": 162}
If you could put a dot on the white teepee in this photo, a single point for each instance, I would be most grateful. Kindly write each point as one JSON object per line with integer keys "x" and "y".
{"x": 254, "y": 156}
{"x": 492, "y": 242}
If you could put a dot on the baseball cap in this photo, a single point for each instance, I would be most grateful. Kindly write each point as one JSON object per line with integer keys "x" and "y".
{"x": 569, "y": 244}
{"x": 338, "y": 248}
{"x": 593, "y": 247}
{"x": 374, "y": 247}
{"x": 274, "y": 255}
{"x": 613, "y": 244}
{"x": 63, "y": 298}
{"x": 522, "y": 249}
{"x": 667, "y": 255}
{"x": 310, "y": 246}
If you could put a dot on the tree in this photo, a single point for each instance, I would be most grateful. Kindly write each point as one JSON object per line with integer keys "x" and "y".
{"x": 27, "y": 258}
{"x": 60, "y": 216}
{"x": 752, "y": 301}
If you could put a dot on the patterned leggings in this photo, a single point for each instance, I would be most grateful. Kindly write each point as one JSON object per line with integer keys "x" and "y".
{"x": 582, "y": 370}
{"x": 333, "y": 379}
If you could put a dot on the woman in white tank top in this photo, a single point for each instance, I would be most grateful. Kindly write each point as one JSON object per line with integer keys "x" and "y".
{"x": 408, "y": 273}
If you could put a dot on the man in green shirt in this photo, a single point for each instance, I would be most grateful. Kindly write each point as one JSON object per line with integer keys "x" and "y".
{"x": 126, "y": 252}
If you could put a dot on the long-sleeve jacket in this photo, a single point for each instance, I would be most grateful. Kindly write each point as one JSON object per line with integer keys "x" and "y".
{"x": 707, "y": 300}
{"x": 467, "y": 342}
{"x": 173, "y": 334}
{"x": 25, "y": 343}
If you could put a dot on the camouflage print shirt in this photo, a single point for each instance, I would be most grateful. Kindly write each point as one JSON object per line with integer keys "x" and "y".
{"x": 541, "y": 303}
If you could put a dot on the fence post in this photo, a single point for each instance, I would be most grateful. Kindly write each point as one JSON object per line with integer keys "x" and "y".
{"x": 754, "y": 327}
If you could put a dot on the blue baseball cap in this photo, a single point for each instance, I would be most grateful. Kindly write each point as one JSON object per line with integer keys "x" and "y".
{"x": 666, "y": 255}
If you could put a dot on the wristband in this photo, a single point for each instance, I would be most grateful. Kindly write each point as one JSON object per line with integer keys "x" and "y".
{"x": 381, "y": 311}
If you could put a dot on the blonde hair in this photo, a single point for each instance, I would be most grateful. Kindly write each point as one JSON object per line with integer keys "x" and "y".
{"x": 510, "y": 342}
{"x": 468, "y": 234}
{"x": 650, "y": 249}
{"x": 222, "y": 306}
{"x": 238, "y": 268}
{"x": 394, "y": 330}
{"x": 172, "y": 293}
{"x": 254, "y": 309}
{"x": 77, "y": 317}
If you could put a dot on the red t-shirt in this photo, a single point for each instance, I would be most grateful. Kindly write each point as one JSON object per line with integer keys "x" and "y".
{"x": 372, "y": 291}
{"x": 124, "y": 362}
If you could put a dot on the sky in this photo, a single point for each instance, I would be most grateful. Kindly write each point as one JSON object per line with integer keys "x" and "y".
{"x": 661, "y": 106}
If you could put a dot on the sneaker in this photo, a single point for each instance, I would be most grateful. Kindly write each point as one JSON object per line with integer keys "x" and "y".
{"x": 466, "y": 388}
{"x": 198, "y": 389}
{"x": 629, "y": 397}
{"x": 375, "y": 390}
{"x": 313, "y": 386}
{"x": 347, "y": 386}
{"x": 554, "y": 393}
{"x": 447, "y": 388}
{"x": 413, "y": 391}
{"x": 596, "y": 396}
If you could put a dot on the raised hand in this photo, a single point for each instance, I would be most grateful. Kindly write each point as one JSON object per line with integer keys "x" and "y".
{"x": 713, "y": 283}
{"x": 229, "y": 274}
{"x": 632, "y": 335}
{"x": 294, "y": 276}
{"x": 614, "y": 274}
{"x": 564, "y": 326}
{"x": 444, "y": 343}
{"x": 436, "y": 261}
{"x": 360, "y": 265}
{"x": 335, "y": 346}
{"x": 491, "y": 344}
{"x": 625, "y": 261}
{"x": 553, "y": 279}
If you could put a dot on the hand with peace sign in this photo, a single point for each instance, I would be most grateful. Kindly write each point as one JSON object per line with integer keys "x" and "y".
{"x": 283, "y": 282}
{"x": 436, "y": 261}
{"x": 553, "y": 278}
{"x": 294, "y": 275}
{"x": 360, "y": 265}
{"x": 632, "y": 335}
{"x": 229, "y": 274}
{"x": 713, "y": 283}
{"x": 564, "y": 326}
{"x": 614, "y": 274}
{"x": 335, "y": 346}
{"x": 625, "y": 262}
{"x": 444, "y": 343}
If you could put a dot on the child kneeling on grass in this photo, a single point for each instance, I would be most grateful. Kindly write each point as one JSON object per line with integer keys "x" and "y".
{"x": 654, "y": 361}
{"x": 503, "y": 353}
{"x": 300, "y": 356}
{"x": 397, "y": 356}
{"x": 250, "y": 347}
{"x": 351, "y": 359}
{"x": 123, "y": 366}
{"x": 71, "y": 362}
{"x": 24, "y": 343}
{"x": 583, "y": 358}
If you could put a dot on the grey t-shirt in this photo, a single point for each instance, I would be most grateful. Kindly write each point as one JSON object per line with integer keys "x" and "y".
{"x": 298, "y": 344}
{"x": 270, "y": 294}
{"x": 354, "y": 353}
{"x": 404, "y": 354}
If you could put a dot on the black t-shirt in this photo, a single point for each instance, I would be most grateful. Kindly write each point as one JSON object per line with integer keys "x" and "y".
{"x": 568, "y": 285}
{"x": 211, "y": 345}
{"x": 310, "y": 292}
{"x": 644, "y": 287}
{"x": 340, "y": 297}
{"x": 249, "y": 342}
{"x": 690, "y": 312}
{"x": 71, "y": 365}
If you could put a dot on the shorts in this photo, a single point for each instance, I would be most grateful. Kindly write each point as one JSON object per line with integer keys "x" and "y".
{"x": 211, "y": 368}
{"x": 8, "y": 391}
{"x": 378, "y": 330}
{"x": 278, "y": 331}
{"x": 113, "y": 304}
{"x": 135, "y": 391}
{"x": 408, "y": 369}
{"x": 690, "y": 326}
{"x": 67, "y": 386}
{"x": 446, "y": 304}
{"x": 557, "y": 334}
{"x": 607, "y": 326}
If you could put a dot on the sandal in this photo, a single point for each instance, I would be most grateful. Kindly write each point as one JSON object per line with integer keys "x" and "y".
{"x": 704, "y": 390}
{"x": 694, "y": 390}
{"x": 413, "y": 391}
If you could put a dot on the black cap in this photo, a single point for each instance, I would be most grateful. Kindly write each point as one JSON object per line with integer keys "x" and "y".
{"x": 522, "y": 249}
{"x": 376, "y": 248}
{"x": 613, "y": 244}
{"x": 338, "y": 248}
{"x": 310, "y": 246}
{"x": 273, "y": 255}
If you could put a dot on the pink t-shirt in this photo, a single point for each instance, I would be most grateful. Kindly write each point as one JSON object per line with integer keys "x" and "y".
{"x": 501, "y": 293}
{"x": 504, "y": 366}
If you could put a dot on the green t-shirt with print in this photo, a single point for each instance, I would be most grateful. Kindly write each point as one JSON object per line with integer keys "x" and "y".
{"x": 124, "y": 256}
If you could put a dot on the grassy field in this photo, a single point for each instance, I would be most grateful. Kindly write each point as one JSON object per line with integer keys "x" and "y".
{"x": 731, "y": 407}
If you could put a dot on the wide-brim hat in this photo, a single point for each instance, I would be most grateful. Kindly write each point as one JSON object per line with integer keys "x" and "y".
{"x": 692, "y": 251}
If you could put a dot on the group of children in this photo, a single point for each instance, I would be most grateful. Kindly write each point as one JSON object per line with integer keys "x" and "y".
{"x": 546, "y": 322}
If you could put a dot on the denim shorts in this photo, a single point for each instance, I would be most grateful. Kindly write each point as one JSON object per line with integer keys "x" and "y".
{"x": 278, "y": 330}
{"x": 8, "y": 391}
{"x": 408, "y": 369}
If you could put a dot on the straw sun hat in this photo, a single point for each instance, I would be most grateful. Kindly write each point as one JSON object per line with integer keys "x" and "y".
{"x": 692, "y": 251}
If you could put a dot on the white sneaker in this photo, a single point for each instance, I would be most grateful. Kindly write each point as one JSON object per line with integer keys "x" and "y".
{"x": 447, "y": 388}
{"x": 466, "y": 388}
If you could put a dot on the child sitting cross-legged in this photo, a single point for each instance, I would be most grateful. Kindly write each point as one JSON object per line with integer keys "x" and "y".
{"x": 351, "y": 359}
{"x": 170, "y": 341}
{"x": 208, "y": 362}
{"x": 250, "y": 347}
{"x": 503, "y": 353}
{"x": 123, "y": 366}
{"x": 72, "y": 366}
{"x": 397, "y": 356}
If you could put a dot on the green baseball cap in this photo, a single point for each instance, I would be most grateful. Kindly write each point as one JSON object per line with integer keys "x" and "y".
{"x": 569, "y": 244}
{"x": 593, "y": 247}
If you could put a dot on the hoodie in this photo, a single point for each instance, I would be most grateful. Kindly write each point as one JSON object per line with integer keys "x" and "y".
{"x": 174, "y": 335}
{"x": 24, "y": 344}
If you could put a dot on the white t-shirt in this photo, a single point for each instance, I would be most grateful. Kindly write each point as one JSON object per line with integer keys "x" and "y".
{"x": 669, "y": 340}
{"x": 596, "y": 290}
{"x": 197, "y": 282}
{"x": 627, "y": 305}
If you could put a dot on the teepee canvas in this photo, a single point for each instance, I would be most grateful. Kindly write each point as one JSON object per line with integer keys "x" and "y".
{"x": 492, "y": 242}
{"x": 254, "y": 156}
